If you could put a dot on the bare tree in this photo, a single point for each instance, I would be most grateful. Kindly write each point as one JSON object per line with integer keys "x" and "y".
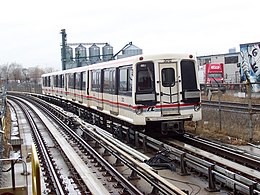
{"x": 3, "y": 73}
{"x": 35, "y": 74}
{"x": 49, "y": 69}
{"x": 22, "y": 78}
{"x": 15, "y": 72}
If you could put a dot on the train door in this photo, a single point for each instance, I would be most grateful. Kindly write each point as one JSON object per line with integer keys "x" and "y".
{"x": 78, "y": 86}
{"x": 52, "y": 85}
{"x": 100, "y": 92}
{"x": 66, "y": 84}
{"x": 96, "y": 90}
{"x": 169, "y": 90}
{"x": 110, "y": 91}
{"x": 115, "y": 108}
{"x": 71, "y": 86}
{"x": 62, "y": 83}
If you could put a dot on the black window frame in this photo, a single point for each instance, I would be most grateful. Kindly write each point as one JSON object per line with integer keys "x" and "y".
{"x": 150, "y": 89}
{"x": 110, "y": 80}
{"x": 188, "y": 75}
{"x": 78, "y": 80}
{"x": 231, "y": 59}
{"x": 49, "y": 81}
{"x": 189, "y": 80}
{"x": 61, "y": 82}
{"x": 71, "y": 83}
{"x": 83, "y": 81}
{"x": 166, "y": 76}
{"x": 127, "y": 88}
{"x": 96, "y": 82}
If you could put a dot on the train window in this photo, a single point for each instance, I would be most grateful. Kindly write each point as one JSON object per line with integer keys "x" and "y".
{"x": 145, "y": 77}
{"x": 168, "y": 77}
{"x": 106, "y": 85}
{"x": 96, "y": 80}
{"x": 113, "y": 80}
{"x": 125, "y": 81}
{"x": 145, "y": 87}
{"x": 61, "y": 82}
{"x": 72, "y": 81}
{"x": 43, "y": 81}
{"x": 188, "y": 75}
{"x": 66, "y": 82}
{"x": 77, "y": 81}
{"x": 57, "y": 81}
{"x": 49, "y": 81}
{"x": 83, "y": 81}
{"x": 109, "y": 84}
{"x": 190, "y": 91}
{"x": 130, "y": 79}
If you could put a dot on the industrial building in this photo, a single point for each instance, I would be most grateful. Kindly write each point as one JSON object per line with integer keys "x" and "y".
{"x": 83, "y": 54}
{"x": 239, "y": 67}
{"x": 230, "y": 61}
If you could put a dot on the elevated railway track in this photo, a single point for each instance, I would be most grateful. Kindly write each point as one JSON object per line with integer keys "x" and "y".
{"x": 224, "y": 168}
{"x": 102, "y": 168}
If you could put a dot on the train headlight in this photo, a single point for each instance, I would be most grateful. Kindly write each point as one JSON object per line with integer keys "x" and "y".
{"x": 197, "y": 107}
{"x": 139, "y": 110}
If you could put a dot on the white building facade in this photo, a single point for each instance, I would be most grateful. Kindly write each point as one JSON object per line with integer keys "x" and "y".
{"x": 230, "y": 61}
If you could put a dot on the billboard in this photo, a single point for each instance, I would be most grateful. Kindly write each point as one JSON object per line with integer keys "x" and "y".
{"x": 250, "y": 64}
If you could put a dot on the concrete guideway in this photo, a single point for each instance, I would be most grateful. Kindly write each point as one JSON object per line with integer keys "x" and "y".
{"x": 86, "y": 175}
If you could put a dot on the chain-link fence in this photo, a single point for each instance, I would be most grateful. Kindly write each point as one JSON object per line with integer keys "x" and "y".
{"x": 220, "y": 116}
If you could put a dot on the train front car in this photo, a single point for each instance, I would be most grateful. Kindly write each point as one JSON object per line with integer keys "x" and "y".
{"x": 166, "y": 93}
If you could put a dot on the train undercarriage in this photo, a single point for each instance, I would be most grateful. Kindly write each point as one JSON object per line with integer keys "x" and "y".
{"x": 116, "y": 126}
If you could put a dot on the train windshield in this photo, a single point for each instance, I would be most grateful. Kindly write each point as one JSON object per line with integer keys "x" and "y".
{"x": 190, "y": 91}
{"x": 215, "y": 75}
{"x": 145, "y": 77}
{"x": 188, "y": 74}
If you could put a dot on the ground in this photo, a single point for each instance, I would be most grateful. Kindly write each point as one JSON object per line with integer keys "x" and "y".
{"x": 227, "y": 127}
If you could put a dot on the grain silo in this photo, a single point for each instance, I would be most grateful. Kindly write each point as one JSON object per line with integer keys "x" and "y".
{"x": 107, "y": 52}
{"x": 94, "y": 54}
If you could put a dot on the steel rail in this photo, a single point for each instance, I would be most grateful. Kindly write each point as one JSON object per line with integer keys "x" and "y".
{"x": 150, "y": 176}
{"x": 224, "y": 151}
{"x": 132, "y": 189}
{"x": 140, "y": 168}
{"x": 189, "y": 157}
{"x": 41, "y": 147}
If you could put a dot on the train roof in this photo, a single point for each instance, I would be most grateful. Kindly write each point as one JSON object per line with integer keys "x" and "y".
{"x": 125, "y": 61}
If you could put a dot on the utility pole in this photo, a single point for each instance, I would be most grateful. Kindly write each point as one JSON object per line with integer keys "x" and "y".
{"x": 63, "y": 48}
{"x": 250, "y": 126}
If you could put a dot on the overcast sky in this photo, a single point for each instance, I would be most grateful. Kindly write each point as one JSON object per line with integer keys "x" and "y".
{"x": 30, "y": 29}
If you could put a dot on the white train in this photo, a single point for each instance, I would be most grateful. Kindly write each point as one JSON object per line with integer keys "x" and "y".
{"x": 152, "y": 93}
